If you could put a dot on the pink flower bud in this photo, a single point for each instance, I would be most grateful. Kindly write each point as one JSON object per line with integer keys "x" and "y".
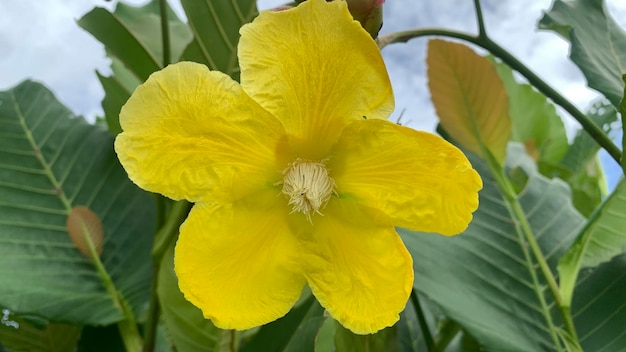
{"x": 282, "y": 8}
{"x": 369, "y": 13}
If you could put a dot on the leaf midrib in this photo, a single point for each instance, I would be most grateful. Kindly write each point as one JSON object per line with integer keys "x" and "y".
{"x": 47, "y": 170}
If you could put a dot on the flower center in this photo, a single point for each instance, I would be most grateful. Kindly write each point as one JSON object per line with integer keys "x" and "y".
{"x": 308, "y": 186}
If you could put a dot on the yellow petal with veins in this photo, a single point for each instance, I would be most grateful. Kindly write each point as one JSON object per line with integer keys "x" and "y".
{"x": 315, "y": 69}
{"x": 417, "y": 179}
{"x": 195, "y": 134}
{"x": 238, "y": 262}
{"x": 360, "y": 272}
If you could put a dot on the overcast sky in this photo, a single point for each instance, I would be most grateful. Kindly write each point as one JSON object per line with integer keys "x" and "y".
{"x": 40, "y": 40}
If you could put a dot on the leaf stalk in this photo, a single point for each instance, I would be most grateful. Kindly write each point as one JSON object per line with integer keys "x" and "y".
{"x": 165, "y": 32}
{"x": 486, "y": 43}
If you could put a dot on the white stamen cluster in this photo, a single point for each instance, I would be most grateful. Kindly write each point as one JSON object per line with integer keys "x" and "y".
{"x": 308, "y": 186}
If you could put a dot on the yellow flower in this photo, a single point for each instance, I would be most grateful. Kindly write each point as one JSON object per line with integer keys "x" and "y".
{"x": 296, "y": 176}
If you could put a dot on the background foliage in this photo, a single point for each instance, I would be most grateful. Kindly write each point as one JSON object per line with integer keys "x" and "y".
{"x": 541, "y": 267}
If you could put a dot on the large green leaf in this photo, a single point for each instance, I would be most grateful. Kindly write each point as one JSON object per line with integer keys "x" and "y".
{"x": 215, "y": 25}
{"x": 600, "y": 240}
{"x": 121, "y": 42}
{"x": 50, "y": 162}
{"x": 481, "y": 278}
{"x": 580, "y": 167}
{"x": 599, "y": 307}
{"x": 535, "y": 121}
{"x": 384, "y": 340}
{"x": 115, "y": 96}
{"x": 132, "y": 37}
{"x": 144, "y": 22}
{"x": 17, "y": 334}
{"x": 598, "y": 43}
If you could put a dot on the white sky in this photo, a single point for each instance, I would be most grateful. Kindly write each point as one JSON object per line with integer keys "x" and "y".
{"x": 40, "y": 40}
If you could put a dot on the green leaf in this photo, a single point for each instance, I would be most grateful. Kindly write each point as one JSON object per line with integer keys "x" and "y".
{"x": 215, "y": 25}
{"x": 133, "y": 35}
{"x": 115, "y": 96}
{"x": 117, "y": 89}
{"x": 142, "y": 28}
{"x": 580, "y": 166}
{"x": 325, "y": 338}
{"x": 50, "y": 162}
{"x": 622, "y": 111}
{"x": 481, "y": 278}
{"x": 144, "y": 22}
{"x": 384, "y": 340}
{"x": 123, "y": 75}
{"x": 599, "y": 308}
{"x": 408, "y": 330}
{"x": 535, "y": 121}
{"x": 598, "y": 43}
{"x": 584, "y": 147}
{"x": 294, "y": 332}
{"x": 121, "y": 42}
{"x": 185, "y": 324}
{"x": 17, "y": 334}
{"x": 601, "y": 239}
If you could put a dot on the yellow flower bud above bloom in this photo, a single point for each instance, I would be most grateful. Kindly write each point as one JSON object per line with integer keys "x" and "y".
{"x": 291, "y": 185}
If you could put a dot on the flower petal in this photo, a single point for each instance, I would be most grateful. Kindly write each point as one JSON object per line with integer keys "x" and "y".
{"x": 237, "y": 262}
{"x": 315, "y": 69}
{"x": 195, "y": 134}
{"x": 417, "y": 179}
{"x": 360, "y": 272}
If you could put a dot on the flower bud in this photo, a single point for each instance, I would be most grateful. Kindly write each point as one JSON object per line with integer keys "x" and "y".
{"x": 369, "y": 13}
{"x": 281, "y": 8}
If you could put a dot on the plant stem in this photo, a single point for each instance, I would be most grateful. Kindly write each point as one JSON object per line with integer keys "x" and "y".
{"x": 165, "y": 32}
{"x": 154, "y": 312}
{"x": 164, "y": 237}
{"x": 127, "y": 326}
{"x": 591, "y": 128}
{"x": 482, "y": 33}
{"x": 169, "y": 232}
{"x": 526, "y": 236}
{"x": 485, "y": 42}
{"x": 428, "y": 338}
{"x": 545, "y": 268}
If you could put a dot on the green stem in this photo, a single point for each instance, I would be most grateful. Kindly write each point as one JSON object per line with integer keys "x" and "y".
{"x": 545, "y": 268}
{"x": 164, "y": 237}
{"x": 161, "y": 209}
{"x": 591, "y": 128}
{"x": 483, "y": 41}
{"x": 169, "y": 232}
{"x": 128, "y": 326}
{"x": 154, "y": 312}
{"x": 165, "y": 33}
{"x": 482, "y": 33}
{"x": 428, "y": 338}
{"x": 527, "y": 237}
